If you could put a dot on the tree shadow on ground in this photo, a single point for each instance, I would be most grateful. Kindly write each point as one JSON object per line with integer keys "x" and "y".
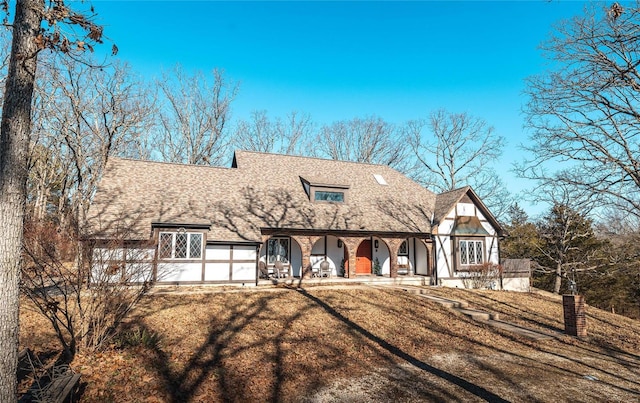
{"x": 456, "y": 380}
{"x": 565, "y": 353}
{"x": 608, "y": 352}
{"x": 263, "y": 347}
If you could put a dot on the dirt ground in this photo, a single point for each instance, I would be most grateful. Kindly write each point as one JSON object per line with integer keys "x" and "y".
{"x": 356, "y": 345}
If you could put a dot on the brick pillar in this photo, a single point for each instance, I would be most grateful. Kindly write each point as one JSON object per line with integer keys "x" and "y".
{"x": 306, "y": 244}
{"x": 430, "y": 257}
{"x": 575, "y": 319}
{"x": 394, "y": 245}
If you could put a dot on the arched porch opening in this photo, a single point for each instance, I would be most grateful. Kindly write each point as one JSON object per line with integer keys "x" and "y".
{"x": 372, "y": 257}
{"x": 413, "y": 257}
{"x": 284, "y": 249}
{"x": 334, "y": 251}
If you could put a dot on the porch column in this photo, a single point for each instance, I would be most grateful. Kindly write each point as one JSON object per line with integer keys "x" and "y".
{"x": 430, "y": 258}
{"x": 394, "y": 246}
{"x": 352, "y": 244}
{"x": 306, "y": 244}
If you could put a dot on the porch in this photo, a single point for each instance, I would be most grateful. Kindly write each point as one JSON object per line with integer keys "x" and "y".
{"x": 360, "y": 279}
{"x": 337, "y": 257}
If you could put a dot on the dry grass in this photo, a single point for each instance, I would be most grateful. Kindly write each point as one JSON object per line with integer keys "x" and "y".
{"x": 364, "y": 344}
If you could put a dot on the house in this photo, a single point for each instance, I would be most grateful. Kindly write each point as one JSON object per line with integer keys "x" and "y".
{"x": 272, "y": 215}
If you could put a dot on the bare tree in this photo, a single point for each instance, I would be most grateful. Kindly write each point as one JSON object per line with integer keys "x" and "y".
{"x": 282, "y": 136}
{"x": 36, "y": 25}
{"x": 84, "y": 305}
{"x": 456, "y": 149}
{"x": 583, "y": 114}
{"x": 46, "y": 184}
{"x": 370, "y": 140}
{"x": 193, "y": 117}
{"x": 83, "y": 116}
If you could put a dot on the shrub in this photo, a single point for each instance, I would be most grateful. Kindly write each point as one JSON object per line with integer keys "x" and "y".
{"x": 484, "y": 276}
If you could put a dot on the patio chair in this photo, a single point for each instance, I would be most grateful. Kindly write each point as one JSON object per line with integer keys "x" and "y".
{"x": 264, "y": 271}
{"x": 325, "y": 269}
{"x": 403, "y": 265}
{"x": 281, "y": 270}
{"x": 403, "y": 269}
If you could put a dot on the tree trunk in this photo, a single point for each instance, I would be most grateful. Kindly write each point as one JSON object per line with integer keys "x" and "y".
{"x": 14, "y": 144}
{"x": 558, "y": 281}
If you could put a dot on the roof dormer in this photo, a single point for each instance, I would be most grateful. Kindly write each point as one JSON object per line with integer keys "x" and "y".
{"x": 323, "y": 191}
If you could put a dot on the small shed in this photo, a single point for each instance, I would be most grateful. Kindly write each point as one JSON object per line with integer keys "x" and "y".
{"x": 516, "y": 275}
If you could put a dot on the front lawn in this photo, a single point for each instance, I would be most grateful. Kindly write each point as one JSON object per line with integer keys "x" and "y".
{"x": 352, "y": 344}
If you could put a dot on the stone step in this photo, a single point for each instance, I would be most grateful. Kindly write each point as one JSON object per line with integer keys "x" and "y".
{"x": 447, "y": 303}
{"x": 479, "y": 315}
{"x": 489, "y": 318}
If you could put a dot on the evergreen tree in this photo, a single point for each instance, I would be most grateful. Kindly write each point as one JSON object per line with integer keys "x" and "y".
{"x": 522, "y": 241}
{"x": 568, "y": 245}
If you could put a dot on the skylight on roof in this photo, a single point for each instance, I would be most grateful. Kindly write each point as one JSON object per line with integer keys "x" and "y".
{"x": 380, "y": 179}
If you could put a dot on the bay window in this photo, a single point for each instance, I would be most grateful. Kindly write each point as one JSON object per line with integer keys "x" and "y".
{"x": 471, "y": 252}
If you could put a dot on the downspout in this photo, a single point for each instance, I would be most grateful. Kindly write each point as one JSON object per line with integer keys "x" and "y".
{"x": 434, "y": 260}
{"x": 412, "y": 269}
{"x": 156, "y": 244}
{"x": 257, "y": 264}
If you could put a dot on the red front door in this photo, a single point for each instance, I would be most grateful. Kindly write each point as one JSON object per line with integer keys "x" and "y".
{"x": 363, "y": 258}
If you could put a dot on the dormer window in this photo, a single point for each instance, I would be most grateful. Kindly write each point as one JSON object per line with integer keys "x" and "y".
{"x": 321, "y": 191}
{"x": 326, "y": 195}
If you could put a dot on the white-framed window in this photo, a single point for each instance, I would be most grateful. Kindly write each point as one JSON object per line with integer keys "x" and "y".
{"x": 180, "y": 245}
{"x": 471, "y": 252}
{"x": 278, "y": 250}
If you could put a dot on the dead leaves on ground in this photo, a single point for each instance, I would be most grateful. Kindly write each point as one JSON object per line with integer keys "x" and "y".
{"x": 290, "y": 345}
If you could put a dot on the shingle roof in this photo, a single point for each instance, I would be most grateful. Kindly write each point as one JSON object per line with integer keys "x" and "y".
{"x": 262, "y": 191}
{"x": 446, "y": 201}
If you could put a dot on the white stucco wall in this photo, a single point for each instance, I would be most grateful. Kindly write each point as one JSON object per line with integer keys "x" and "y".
{"x": 443, "y": 255}
{"x": 508, "y": 284}
{"x": 217, "y": 252}
{"x": 382, "y": 253}
{"x": 521, "y": 284}
{"x": 421, "y": 265}
{"x": 112, "y": 264}
{"x": 296, "y": 259}
{"x": 216, "y": 272}
{"x": 465, "y": 209}
{"x": 334, "y": 254}
{"x": 179, "y": 272}
{"x": 243, "y": 271}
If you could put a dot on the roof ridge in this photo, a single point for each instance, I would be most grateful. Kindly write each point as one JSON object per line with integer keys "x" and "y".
{"x": 146, "y": 161}
{"x": 316, "y": 158}
{"x": 466, "y": 187}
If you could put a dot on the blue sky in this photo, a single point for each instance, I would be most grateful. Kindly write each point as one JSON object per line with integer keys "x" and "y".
{"x": 340, "y": 60}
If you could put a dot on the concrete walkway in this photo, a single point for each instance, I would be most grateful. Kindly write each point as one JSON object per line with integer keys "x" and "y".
{"x": 489, "y": 318}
